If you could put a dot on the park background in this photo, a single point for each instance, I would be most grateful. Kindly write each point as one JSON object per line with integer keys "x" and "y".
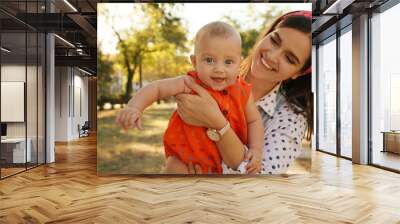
{"x": 142, "y": 42}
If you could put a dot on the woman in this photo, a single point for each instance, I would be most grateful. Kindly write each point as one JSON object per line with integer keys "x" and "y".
{"x": 279, "y": 69}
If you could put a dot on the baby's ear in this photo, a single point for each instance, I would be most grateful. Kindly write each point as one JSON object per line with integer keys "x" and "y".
{"x": 193, "y": 60}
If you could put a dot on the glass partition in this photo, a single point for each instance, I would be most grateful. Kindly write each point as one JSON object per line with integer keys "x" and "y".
{"x": 327, "y": 95}
{"x": 385, "y": 89}
{"x": 31, "y": 98}
{"x": 346, "y": 93}
{"x": 13, "y": 95}
{"x": 22, "y": 90}
{"x": 41, "y": 91}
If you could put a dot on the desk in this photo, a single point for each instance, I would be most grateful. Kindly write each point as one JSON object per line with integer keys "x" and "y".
{"x": 391, "y": 141}
{"x": 16, "y": 147}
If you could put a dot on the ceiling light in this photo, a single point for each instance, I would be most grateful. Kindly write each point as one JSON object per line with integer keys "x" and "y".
{"x": 332, "y": 8}
{"x": 86, "y": 72}
{"x": 70, "y": 5}
{"x": 5, "y": 50}
{"x": 79, "y": 51}
{"x": 64, "y": 40}
{"x": 337, "y": 7}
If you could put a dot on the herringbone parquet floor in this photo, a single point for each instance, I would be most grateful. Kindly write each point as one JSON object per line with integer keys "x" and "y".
{"x": 70, "y": 191}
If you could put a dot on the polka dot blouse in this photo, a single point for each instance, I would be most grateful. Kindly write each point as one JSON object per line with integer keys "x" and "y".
{"x": 283, "y": 132}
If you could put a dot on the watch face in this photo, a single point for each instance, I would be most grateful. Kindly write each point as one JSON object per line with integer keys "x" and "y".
{"x": 213, "y": 135}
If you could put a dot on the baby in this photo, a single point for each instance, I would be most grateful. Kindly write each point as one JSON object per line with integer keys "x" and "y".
{"x": 216, "y": 60}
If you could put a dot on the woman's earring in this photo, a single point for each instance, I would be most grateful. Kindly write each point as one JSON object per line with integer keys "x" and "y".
{"x": 295, "y": 77}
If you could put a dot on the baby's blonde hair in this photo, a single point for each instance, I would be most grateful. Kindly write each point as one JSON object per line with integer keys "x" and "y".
{"x": 216, "y": 29}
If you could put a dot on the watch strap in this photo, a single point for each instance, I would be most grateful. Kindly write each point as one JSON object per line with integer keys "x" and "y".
{"x": 223, "y": 130}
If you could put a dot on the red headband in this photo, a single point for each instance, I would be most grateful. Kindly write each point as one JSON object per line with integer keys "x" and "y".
{"x": 304, "y": 13}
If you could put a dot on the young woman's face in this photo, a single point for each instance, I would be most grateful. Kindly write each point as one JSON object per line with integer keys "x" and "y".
{"x": 280, "y": 55}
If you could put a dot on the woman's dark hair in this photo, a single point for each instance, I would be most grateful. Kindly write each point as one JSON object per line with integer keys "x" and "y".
{"x": 296, "y": 91}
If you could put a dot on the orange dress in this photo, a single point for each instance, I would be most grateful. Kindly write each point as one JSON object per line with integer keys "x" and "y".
{"x": 191, "y": 143}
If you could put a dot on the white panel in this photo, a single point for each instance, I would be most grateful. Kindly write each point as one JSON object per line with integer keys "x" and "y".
{"x": 50, "y": 80}
{"x": 12, "y": 101}
{"x": 77, "y": 111}
{"x": 360, "y": 90}
{"x": 13, "y": 73}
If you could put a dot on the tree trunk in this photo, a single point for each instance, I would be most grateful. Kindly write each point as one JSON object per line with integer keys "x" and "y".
{"x": 131, "y": 73}
{"x": 140, "y": 74}
{"x": 128, "y": 92}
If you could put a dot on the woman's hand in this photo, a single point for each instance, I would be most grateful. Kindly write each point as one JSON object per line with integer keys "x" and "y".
{"x": 254, "y": 158}
{"x": 201, "y": 109}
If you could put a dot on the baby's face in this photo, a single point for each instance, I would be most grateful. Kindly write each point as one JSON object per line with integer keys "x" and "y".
{"x": 217, "y": 61}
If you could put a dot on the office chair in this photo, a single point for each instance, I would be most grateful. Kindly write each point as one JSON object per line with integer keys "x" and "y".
{"x": 84, "y": 130}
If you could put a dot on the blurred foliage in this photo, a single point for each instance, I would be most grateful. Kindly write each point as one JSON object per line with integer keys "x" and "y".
{"x": 104, "y": 78}
{"x": 249, "y": 35}
{"x": 156, "y": 46}
{"x": 164, "y": 64}
{"x": 151, "y": 44}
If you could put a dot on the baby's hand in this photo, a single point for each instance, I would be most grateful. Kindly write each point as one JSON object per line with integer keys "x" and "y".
{"x": 254, "y": 158}
{"x": 129, "y": 117}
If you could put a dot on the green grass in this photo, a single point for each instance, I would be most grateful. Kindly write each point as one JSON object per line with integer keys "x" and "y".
{"x": 134, "y": 151}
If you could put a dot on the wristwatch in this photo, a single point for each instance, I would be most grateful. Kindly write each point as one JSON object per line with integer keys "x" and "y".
{"x": 216, "y": 135}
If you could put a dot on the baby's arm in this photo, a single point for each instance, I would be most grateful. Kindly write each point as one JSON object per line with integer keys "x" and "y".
{"x": 255, "y": 136}
{"x": 160, "y": 89}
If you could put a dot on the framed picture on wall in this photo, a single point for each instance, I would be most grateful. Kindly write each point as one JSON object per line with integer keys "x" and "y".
{"x": 171, "y": 43}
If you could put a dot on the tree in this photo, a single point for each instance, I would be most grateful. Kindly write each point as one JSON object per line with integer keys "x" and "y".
{"x": 158, "y": 30}
{"x": 104, "y": 78}
{"x": 165, "y": 63}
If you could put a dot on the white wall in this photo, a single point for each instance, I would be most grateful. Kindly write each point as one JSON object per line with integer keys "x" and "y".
{"x": 71, "y": 87}
{"x": 61, "y": 103}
